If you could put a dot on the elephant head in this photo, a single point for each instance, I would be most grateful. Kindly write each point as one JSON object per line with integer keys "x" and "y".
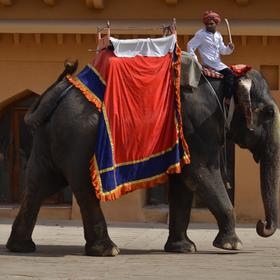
{"x": 262, "y": 138}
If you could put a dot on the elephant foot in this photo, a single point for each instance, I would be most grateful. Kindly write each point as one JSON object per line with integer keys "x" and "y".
{"x": 21, "y": 246}
{"x": 180, "y": 246}
{"x": 228, "y": 242}
{"x": 105, "y": 248}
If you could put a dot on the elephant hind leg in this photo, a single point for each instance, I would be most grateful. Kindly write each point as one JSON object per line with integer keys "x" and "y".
{"x": 40, "y": 184}
{"x": 180, "y": 203}
{"x": 98, "y": 242}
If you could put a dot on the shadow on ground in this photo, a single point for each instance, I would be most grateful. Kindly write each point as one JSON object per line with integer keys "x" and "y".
{"x": 63, "y": 250}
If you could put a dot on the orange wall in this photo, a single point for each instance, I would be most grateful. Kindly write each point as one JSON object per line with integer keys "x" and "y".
{"x": 144, "y": 9}
{"x": 35, "y": 67}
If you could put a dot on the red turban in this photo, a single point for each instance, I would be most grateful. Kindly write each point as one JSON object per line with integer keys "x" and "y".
{"x": 210, "y": 15}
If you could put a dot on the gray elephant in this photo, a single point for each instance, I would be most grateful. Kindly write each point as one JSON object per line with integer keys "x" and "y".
{"x": 63, "y": 120}
{"x": 203, "y": 176}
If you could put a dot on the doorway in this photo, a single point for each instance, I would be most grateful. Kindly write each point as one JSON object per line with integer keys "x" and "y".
{"x": 15, "y": 149}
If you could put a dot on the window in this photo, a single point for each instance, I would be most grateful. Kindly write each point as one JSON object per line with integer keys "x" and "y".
{"x": 271, "y": 74}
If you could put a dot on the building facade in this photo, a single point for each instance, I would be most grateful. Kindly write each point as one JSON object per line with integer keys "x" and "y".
{"x": 36, "y": 36}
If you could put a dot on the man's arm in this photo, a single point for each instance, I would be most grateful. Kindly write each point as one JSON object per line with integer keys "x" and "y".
{"x": 223, "y": 49}
{"x": 193, "y": 44}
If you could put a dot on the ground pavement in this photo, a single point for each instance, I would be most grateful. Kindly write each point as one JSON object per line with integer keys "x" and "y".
{"x": 60, "y": 255}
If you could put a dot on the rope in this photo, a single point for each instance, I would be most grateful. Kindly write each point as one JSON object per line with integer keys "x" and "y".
{"x": 225, "y": 165}
{"x": 226, "y": 128}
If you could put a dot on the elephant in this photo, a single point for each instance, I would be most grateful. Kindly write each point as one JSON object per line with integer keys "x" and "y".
{"x": 203, "y": 176}
{"x": 63, "y": 120}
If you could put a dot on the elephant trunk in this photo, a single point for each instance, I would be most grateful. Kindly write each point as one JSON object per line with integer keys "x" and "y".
{"x": 270, "y": 178}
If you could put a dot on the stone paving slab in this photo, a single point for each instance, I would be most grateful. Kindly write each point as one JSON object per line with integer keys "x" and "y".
{"x": 60, "y": 255}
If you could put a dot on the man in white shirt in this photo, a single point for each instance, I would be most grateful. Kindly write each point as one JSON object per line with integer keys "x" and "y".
{"x": 209, "y": 43}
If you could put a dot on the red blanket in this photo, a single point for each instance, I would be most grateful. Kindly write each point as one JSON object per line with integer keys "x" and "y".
{"x": 140, "y": 107}
{"x": 140, "y": 136}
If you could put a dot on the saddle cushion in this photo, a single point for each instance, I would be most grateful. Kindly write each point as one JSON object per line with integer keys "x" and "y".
{"x": 240, "y": 69}
{"x": 209, "y": 72}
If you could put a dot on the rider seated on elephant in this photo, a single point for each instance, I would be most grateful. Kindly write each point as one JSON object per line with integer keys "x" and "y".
{"x": 210, "y": 45}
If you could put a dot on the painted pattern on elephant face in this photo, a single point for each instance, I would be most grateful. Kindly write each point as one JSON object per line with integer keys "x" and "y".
{"x": 253, "y": 109}
{"x": 246, "y": 84}
{"x": 244, "y": 99}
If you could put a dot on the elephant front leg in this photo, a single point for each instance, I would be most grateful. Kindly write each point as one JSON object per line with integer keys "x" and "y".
{"x": 210, "y": 187}
{"x": 180, "y": 203}
{"x": 98, "y": 242}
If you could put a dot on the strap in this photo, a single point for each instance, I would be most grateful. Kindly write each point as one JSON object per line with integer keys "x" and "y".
{"x": 227, "y": 120}
{"x": 228, "y": 116}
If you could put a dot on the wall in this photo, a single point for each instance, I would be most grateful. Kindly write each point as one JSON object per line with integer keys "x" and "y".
{"x": 35, "y": 66}
{"x": 144, "y": 9}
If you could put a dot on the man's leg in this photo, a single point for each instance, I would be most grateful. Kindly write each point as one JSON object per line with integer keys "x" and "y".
{"x": 228, "y": 84}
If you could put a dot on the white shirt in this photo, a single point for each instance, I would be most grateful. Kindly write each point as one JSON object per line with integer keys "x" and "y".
{"x": 210, "y": 46}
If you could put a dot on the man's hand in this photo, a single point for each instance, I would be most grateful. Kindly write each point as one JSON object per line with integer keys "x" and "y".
{"x": 231, "y": 45}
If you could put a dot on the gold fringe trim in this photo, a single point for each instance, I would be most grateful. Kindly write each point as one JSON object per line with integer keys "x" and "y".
{"x": 177, "y": 71}
{"x": 131, "y": 186}
{"x": 88, "y": 95}
{"x": 149, "y": 182}
{"x": 125, "y": 188}
{"x": 136, "y": 161}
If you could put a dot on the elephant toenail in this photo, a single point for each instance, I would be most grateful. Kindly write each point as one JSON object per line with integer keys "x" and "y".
{"x": 238, "y": 246}
{"x": 115, "y": 251}
{"x": 227, "y": 246}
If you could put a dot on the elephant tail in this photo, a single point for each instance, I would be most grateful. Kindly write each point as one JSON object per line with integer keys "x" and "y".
{"x": 70, "y": 67}
{"x": 47, "y": 102}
